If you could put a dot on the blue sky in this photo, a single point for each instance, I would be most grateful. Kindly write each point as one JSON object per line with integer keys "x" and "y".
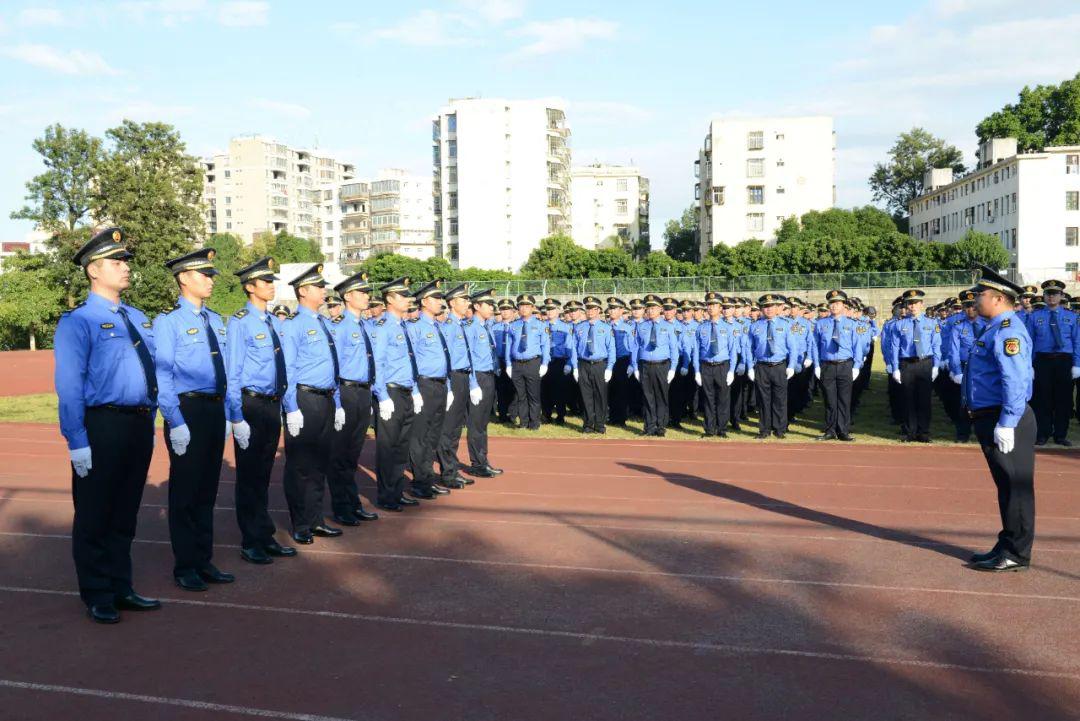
{"x": 362, "y": 79}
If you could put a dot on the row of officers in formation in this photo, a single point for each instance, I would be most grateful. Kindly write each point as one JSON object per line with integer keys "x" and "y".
{"x": 421, "y": 364}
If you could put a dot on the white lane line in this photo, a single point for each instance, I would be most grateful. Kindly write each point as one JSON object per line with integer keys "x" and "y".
{"x": 590, "y": 638}
{"x": 766, "y": 580}
{"x": 164, "y": 701}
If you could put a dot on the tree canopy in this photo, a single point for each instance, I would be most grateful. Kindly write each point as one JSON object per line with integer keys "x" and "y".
{"x": 900, "y": 179}
{"x": 1041, "y": 116}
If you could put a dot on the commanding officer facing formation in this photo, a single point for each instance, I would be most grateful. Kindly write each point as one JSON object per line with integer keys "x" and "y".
{"x": 107, "y": 394}
{"x": 256, "y": 383}
{"x": 190, "y": 362}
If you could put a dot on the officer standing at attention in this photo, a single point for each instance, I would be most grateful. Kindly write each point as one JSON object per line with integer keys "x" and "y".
{"x": 1054, "y": 333}
{"x": 964, "y": 334}
{"x": 619, "y": 387}
{"x": 433, "y": 389}
{"x": 837, "y": 355}
{"x": 256, "y": 384}
{"x": 485, "y": 367}
{"x": 657, "y": 354}
{"x": 997, "y": 388}
{"x": 189, "y": 357}
{"x": 554, "y": 388}
{"x": 356, "y": 363}
{"x": 528, "y": 352}
{"x": 772, "y": 365}
{"x": 463, "y": 384}
{"x": 107, "y": 394}
{"x": 592, "y": 357}
{"x": 916, "y": 356}
{"x": 717, "y": 343}
{"x": 504, "y": 387}
{"x": 312, "y": 404}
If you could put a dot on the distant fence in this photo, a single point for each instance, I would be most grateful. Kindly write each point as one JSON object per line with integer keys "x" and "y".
{"x": 701, "y": 284}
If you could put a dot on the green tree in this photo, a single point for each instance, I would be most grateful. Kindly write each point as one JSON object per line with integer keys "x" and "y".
{"x": 1042, "y": 116}
{"x": 229, "y": 256}
{"x": 681, "y": 236}
{"x": 284, "y": 248}
{"x": 30, "y": 303}
{"x": 975, "y": 249}
{"x": 658, "y": 264}
{"x": 897, "y": 181}
{"x": 59, "y": 198}
{"x": 557, "y": 256}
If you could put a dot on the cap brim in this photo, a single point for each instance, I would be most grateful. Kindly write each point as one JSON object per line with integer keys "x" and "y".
{"x": 210, "y": 272}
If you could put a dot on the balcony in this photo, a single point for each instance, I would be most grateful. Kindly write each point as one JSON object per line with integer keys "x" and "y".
{"x": 354, "y": 191}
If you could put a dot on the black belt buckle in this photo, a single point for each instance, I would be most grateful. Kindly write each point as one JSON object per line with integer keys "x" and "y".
{"x": 313, "y": 389}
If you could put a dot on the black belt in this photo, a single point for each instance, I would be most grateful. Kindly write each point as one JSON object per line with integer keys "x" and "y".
{"x": 655, "y": 363}
{"x": 399, "y": 387}
{"x": 1054, "y": 355}
{"x": 524, "y": 360}
{"x": 715, "y": 363}
{"x": 990, "y": 412}
{"x": 594, "y": 362}
{"x": 485, "y": 373}
{"x": 837, "y": 362}
{"x": 914, "y": 359}
{"x": 317, "y": 391}
{"x": 353, "y": 384}
{"x": 771, "y": 364}
{"x": 202, "y": 396}
{"x": 437, "y": 379}
{"x": 462, "y": 370}
{"x": 261, "y": 396}
{"x": 134, "y": 410}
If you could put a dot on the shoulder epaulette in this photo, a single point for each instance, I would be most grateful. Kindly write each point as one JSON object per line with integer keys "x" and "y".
{"x": 240, "y": 313}
{"x": 338, "y": 319}
{"x": 75, "y": 307}
{"x": 1006, "y": 323}
{"x": 176, "y": 306}
{"x": 292, "y": 315}
{"x": 380, "y": 321}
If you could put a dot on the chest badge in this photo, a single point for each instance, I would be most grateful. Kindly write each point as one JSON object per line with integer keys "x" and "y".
{"x": 192, "y": 331}
{"x": 107, "y": 326}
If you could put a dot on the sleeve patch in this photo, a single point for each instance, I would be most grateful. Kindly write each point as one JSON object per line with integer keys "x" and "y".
{"x": 1012, "y": 346}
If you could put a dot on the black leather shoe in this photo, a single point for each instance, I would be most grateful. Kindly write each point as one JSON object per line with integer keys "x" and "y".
{"x": 103, "y": 613}
{"x": 439, "y": 489}
{"x": 346, "y": 519}
{"x": 779, "y": 434}
{"x": 303, "y": 537}
{"x": 190, "y": 581}
{"x": 826, "y": 437}
{"x": 490, "y": 471}
{"x": 276, "y": 549}
{"x": 845, "y": 437}
{"x": 363, "y": 515}
{"x": 134, "y": 602}
{"x": 212, "y": 574}
{"x": 1063, "y": 442}
{"x": 999, "y": 564}
{"x": 979, "y": 557}
{"x": 422, "y": 493}
{"x": 396, "y": 508}
{"x": 721, "y": 434}
{"x": 922, "y": 438}
{"x": 255, "y": 555}
{"x": 454, "y": 484}
{"x": 462, "y": 479}
{"x": 761, "y": 436}
{"x": 406, "y": 501}
{"x": 1040, "y": 441}
{"x": 325, "y": 531}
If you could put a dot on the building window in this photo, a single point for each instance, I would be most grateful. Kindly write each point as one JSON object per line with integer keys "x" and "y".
{"x": 228, "y": 212}
{"x": 1072, "y": 200}
{"x": 755, "y": 140}
{"x": 779, "y": 136}
{"x": 755, "y": 195}
{"x": 451, "y": 123}
{"x": 228, "y": 174}
{"x": 451, "y": 148}
{"x": 621, "y": 184}
{"x": 1071, "y": 237}
{"x": 780, "y": 163}
{"x": 452, "y": 201}
{"x": 227, "y": 200}
{"x": 718, "y": 195}
{"x": 453, "y": 226}
{"x": 1072, "y": 165}
{"x": 779, "y": 190}
{"x": 228, "y": 226}
{"x": 452, "y": 175}
{"x": 755, "y": 167}
{"x": 620, "y": 206}
{"x": 755, "y": 221}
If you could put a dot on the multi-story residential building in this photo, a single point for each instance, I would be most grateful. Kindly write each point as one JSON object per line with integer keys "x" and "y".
{"x": 1029, "y": 201}
{"x": 260, "y": 185}
{"x": 402, "y": 214}
{"x": 609, "y": 201}
{"x": 352, "y": 211}
{"x": 753, "y": 173}
{"x": 501, "y": 179}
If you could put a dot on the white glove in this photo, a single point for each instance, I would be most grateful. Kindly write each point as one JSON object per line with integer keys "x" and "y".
{"x": 957, "y": 378}
{"x": 241, "y": 431}
{"x": 934, "y": 373}
{"x": 854, "y": 373}
{"x": 637, "y": 375}
{"x": 670, "y": 375}
{"x": 1075, "y": 372}
{"x": 228, "y": 427}
{"x": 180, "y": 438}
{"x": 543, "y": 371}
{"x": 449, "y": 399}
{"x": 294, "y": 421}
{"x": 730, "y": 378}
{"x": 683, "y": 371}
{"x": 509, "y": 371}
{"x": 386, "y": 409}
{"x": 896, "y": 377}
{"x": 817, "y": 372}
{"x": 576, "y": 375}
{"x": 1004, "y": 438}
{"x": 568, "y": 369}
{"x": 339, "y": 419}
{"x": 476, "y": 395}
{"x": 80, "y": 461}
{"x": 697, "y": 379}
{"x": 607, "y": 375}
{"x": 629, "y": 371}
{"x": 789, "y": 372}
{"x": 807, "y": 363}
{"x": 750, "y": 374}
{"x": 417, "y": 402}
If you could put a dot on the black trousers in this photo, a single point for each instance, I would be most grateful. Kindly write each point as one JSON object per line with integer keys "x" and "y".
{"x": 771, "y": 386}
{"x": 635, "y": 398}
{"x": 1014, "y": 476}
{"x": 478, "y": 417}
{"x": 253, "y": 467}
{"x": 527, "y": 390}
{"x": 193, "y": 483}
{"x": 453, "y": 422}
{"x": 392, "y": 445}
{"x": 619, "y": 391}
{"x": 896, "y": 405}
{"x": 799, "y": 391}
{"x": 307, "y": 460}
{"x": 504, "y": 388}
{"x": 107, "y": 501}
{"x": 836, "y": 388}
{"x": 740, "y": 388}
{"x": 654, "y": 391}
{"x": 594, "y": 396}
{"x": 863, "y": 381}
{"x": 555, "y": 390}
{"x": 1052, "y": 398}
{"x": 426, "y": 433}
{"x": 717, "y": 394}
{"x": 915, "y": 387}
{"x": 346, "y": 447}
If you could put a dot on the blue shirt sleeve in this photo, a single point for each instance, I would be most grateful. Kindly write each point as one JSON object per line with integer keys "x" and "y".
{"x": 165, "y": 365}
{"x": 72, "y": 353}
{"x": 235, "y": 349}
{"x": 289, "y": 352}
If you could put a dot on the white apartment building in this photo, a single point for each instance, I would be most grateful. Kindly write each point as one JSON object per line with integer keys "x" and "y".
{"x": 501, "y": 179}
{"x": 260, "y": 185}
{"x": 755, "y": 172}
{"x": 350, "y": 219}
{"x": 1029, "y": 201}
{"x": 402, "y": 214}
{"x": 608, "y": 201}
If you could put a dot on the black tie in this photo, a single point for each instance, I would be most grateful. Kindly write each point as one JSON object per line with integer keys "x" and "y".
{"x": 333, "y": 348}
{"x": 494, "y": 351}
{"x": 465, "y": 336}
{"x": 652, "y": 336}
{"x": 412, "y": 355}
{"x": 144, "y": 355}
{"x": 279, "y": 360}
{"x": 523, "y": 341}
{"x": 445, "y": 349}
{"x": 714, "y": 340}
{"x": 215, "y": 355}
{"x": 836, "y": 330}
{"x": 370, "y": 354}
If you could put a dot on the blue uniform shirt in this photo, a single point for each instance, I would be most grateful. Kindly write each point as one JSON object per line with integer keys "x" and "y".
{"x": 537, "y": 341}
{"x": 801, "y": 331}
{"x": 355, "y": 349}
{"x": 782, "y": 346}
{"x": 661, "y": 345}
{"x": 915, "y": 337}
{"x": 999, "y": 369}
{"x": 485, "y": 353}
{"x": 498, "y": 330}
{"x": 307, "y": 356}
{"x": 727, "y": 345}
{"x": 182, "y": 355}
{"x": 249, "y": 359}
{"x": 947, "y": 326}
{"x": 428, "y": 347}
{"x": 97, "y": 364}
{"x": 461, "y": 350}
{"x": 963, "y": 338}
{"x": 392, "y": 361}
{"x": 837, "y": 339}
{"x": 601, "y": 348}
{"x": 1054, "y": 332}
{"x": 624, "y": 338}
{"x": 561, "y": 338}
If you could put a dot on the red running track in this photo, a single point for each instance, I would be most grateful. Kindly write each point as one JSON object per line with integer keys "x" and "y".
{"x": 594, "y": 580}
{"x": 26, "y": 371}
